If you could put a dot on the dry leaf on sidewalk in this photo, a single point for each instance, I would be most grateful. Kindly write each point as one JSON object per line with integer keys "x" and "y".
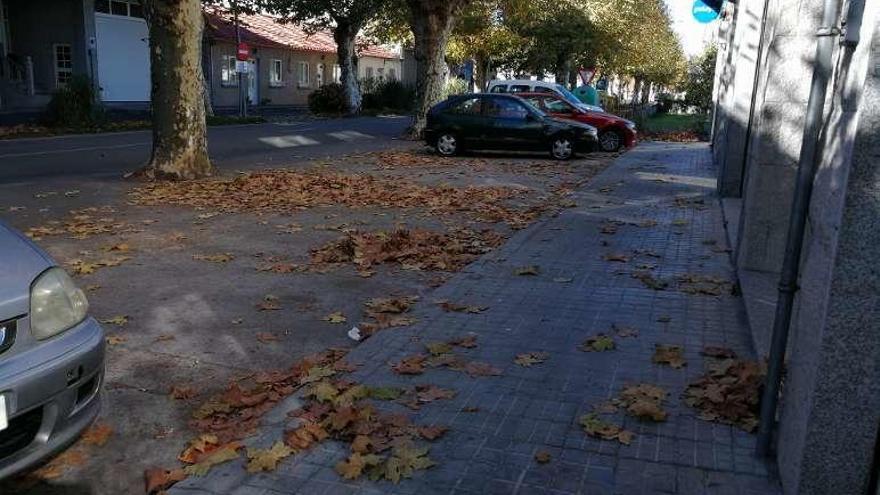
{"x": 671, "y": 355}
{"x": 528, "y": 359}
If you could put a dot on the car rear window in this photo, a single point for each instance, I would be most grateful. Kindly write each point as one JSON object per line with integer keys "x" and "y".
{"x": 500, "y": 88}
{"x": 520, "y": 88}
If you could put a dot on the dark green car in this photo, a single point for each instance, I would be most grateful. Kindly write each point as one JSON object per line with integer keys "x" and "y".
{"x": 503, "y": 122}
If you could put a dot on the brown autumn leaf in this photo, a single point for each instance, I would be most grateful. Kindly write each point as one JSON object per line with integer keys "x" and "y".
{"x": 599, "y": 428}
{"x": 198, "y": 448}
{"x": 224, "y": 453}
{"x": 438, "y": 348}
{"x": 598, "y": 343}
{"x": 616, "y": 257}
{"x": 411, "y": 365}
{"x": 115, "y": 339}
{"x": 266, "y": 337}
{"x": 336, "y": 318}
{"x": 305, "y": 436}
{"x": 432, "y": 432}
{"x": 182, "y": 392}
{"x": 671, "y": 355}
{"x": 267, "y": 459}
{"x": 649, "y": 280}
{"x": 119, "y": 321}
{"x": 465, "y": 342}
{"x": 729, "y": 393}
{"x": 214, "y": 258}
{"x": 157, "y": 480}
{"x": 460, "y": 308}
{"x": 527, "y": 270}
{"x": 542, "y": 457}
{"x": 643, "y": 401}
{"x": 393, "y": 305}
{"x": 97, "y": 434}
{"x": 623, "y": 331}
{"x": 529, "y": 358}
{"x": 354, "y": 466}
{"x": 269, "y": 303}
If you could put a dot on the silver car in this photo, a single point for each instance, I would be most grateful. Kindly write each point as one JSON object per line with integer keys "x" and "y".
{"x": 51, "y": 356}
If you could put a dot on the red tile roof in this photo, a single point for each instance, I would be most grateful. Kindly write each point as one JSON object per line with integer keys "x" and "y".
{"x": 265, "y": 31}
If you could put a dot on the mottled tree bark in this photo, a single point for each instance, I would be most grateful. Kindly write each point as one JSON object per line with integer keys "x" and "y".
{"x": 345, "y": 35}
{"x": 180, "y": 148}
{"x": 431, "y": 22}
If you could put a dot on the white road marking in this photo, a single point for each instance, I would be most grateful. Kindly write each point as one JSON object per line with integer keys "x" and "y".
{"x": 291, "y": 141}
{"x": 74, "y": 150}
{"x": 349, "y": 136}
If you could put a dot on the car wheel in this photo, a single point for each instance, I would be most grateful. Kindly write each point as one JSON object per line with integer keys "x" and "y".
{"x": 610, "y": 141}
{"x": 447, "y": 144}
{"x": 562, "y": 148}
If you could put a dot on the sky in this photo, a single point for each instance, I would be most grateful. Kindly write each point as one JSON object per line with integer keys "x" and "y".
{"x": 693, "y": 35}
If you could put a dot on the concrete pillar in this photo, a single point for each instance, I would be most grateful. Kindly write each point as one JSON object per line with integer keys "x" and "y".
{"x": 831, "y": 402}
{"x": 775, "y": 141}
{"x": 740, "y": 37}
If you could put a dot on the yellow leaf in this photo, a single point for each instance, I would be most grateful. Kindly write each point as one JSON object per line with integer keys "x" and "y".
{"x": 267, "y": 459}
{"x": 120, "y": 320}
{"x": 219, "y": 456}
{"x": 336, "y": 318}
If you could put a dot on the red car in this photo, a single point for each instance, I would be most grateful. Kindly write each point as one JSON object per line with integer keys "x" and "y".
{"x": 614, "y": 132}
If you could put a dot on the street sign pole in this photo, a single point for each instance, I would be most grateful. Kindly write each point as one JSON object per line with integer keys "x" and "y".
{"x": 242, "y": 77}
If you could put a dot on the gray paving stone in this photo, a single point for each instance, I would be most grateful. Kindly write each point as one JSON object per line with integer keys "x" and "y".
{"x": 530, "y": 409}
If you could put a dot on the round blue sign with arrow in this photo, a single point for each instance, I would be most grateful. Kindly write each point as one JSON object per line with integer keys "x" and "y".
{"x": 705, "y": 11}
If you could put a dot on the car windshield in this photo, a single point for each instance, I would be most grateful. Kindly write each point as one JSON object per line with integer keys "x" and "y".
{"x": 534, "y": 107}
{"x": 569, "y": 96}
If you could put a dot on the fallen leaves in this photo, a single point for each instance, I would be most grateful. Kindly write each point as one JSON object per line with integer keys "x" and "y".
{"x": 729, "y": 392}
{"x": 214, "y": 258}
{"x": 527, "y": 270}
{"x": 157, "y": 480}
{"x": 542, "y": 457}
{"x": 598, "y": 343}
{"x": 530, "y": 358}
{"x": 415, "y": 249}
{"x": 82, "y": 267}
{"x": 97, "y": 434}
{"x": 353, "y": 467}
{"x": 643, "y": 401}
{"x": 596, "y": 427}
{"x": 336, "y": 318}
{"x": 267, "y": 459}
{"x": 119, "y": 321}
{"x": 449, "y": 306}
{"x": 616, "y": 257}
{"x": 671, "y": 355}
{"x": 411, "y": 365}
{"x": 387, "y": 312}
{"x": 649, "y": 280}
{"x": 220, "y": 455}
{"x": 705, "y": 285}
{"x": 81, "y": 224}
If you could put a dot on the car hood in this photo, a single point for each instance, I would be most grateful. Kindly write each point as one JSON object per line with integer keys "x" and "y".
{"x": 613, "y": 118}
{"x": 572, "y": 123}
{"x": 20, "y": 263}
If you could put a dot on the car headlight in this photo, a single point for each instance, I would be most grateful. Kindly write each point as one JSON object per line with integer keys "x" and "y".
{"x": 631, "y": 125}
{"x": 57, "y": 304}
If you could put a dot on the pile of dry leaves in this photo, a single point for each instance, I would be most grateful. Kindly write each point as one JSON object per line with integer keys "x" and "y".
{"x": 81, "y": 224}
{"x": 729, "y": 392}
{"x": 416, "y": 249}
{"x": 286, "y": 191}
{"x": 673, "y": 136}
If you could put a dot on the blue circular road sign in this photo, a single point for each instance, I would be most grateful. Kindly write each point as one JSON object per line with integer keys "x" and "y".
{"x": 703, "y": 13}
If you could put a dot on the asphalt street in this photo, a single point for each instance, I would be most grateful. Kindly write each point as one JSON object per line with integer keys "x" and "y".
{"x": 230, "y": 147}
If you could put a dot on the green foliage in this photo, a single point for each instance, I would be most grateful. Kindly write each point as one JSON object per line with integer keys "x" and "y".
{"x": 388, "y": 95}
{"x": 700, "y": 78}
{"x": 328, "y": 99}
{"x": 74, "y": 105}
{"x": 454, "y": 86}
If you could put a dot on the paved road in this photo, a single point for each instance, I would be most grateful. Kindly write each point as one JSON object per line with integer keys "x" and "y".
{"x": 230, "y": 147}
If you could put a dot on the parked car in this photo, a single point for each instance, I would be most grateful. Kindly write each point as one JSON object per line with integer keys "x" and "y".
{"x": 614, "y": 132}
{"x": 530, "y": 86}
{"x": 503, "y": 122}
{"x": 51, "y": 356}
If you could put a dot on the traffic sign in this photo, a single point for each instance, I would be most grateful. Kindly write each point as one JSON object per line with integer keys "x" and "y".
{"x": 705, "y": 11}
{"x": 244, "y": 52}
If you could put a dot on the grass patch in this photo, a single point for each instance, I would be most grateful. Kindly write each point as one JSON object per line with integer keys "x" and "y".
{"x": 676, "y": 122}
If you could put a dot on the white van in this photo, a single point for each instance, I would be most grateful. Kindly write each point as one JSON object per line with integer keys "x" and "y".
{"x": 530, "y": 86}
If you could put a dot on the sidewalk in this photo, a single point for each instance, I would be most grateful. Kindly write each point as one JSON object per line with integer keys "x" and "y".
{"x": 577, "y": 294}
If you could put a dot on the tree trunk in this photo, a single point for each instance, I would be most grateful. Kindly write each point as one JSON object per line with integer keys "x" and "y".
{"x": 637, "y": 89}
{"x": 431, "y": 23}
{"x": 481, "y": 72}
{"x": 180, "y": 148}
{"x": 345, "y": 35}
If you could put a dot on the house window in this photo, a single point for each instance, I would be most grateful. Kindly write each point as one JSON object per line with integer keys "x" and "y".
{"x": 392, "y": 74}
{"x": 275, "y": 74}
{"x": 369, "y": 72}
{"x": 337, "y": 73}
{"x": 304, "y": 74}
{"x": 228, "y": 76}
{"x": 380, "y": 74}
{"x": 120, "y": 7}
{"x": 63, "y": 64}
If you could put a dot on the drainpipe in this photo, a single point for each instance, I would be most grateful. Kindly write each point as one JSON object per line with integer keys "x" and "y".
{"x": 810, "y": 157}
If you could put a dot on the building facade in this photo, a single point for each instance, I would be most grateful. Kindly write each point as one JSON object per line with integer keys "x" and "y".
{"x": 827, "y": 423}
{"x": 45, "y": 43}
